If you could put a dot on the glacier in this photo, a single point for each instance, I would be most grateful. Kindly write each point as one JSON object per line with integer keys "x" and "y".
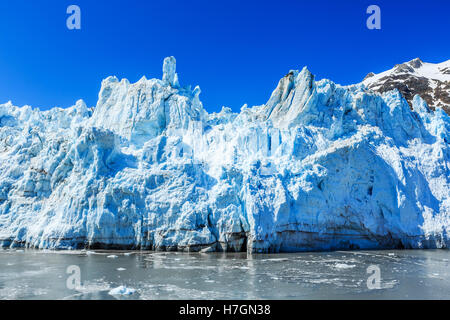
{"x": 320, "y": 166}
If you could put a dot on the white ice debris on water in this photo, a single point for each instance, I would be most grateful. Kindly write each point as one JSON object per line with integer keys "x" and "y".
{"x": 122, "y": 290}
{"x": 320, "y": 166}
{"x": 343, "y": 266}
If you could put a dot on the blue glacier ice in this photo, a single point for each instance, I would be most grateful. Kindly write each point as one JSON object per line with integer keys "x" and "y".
{"x": 318, "y": 167}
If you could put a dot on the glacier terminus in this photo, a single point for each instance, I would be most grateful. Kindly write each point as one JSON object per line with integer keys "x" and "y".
{"x": 320, "y": 166}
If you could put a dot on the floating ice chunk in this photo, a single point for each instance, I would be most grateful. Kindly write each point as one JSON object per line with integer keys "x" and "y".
{"x": 343, "y": 266}
{"x": 122, "y": 290}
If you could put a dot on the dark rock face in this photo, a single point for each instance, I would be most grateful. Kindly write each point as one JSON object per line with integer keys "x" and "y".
{"x": 408, "y": 79}
{"x": 369, "y": 75}
{"x": 445, "y": 70}
{"x": 408, "y": 86}
{"x": 416, "y": 63}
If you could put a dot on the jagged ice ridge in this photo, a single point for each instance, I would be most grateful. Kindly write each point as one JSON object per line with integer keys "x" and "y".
{"x": 318, "y": 167}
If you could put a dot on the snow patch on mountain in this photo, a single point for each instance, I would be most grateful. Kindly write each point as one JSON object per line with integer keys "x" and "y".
{"x": 429, "y": 80}
{"x": 418, "y": 68}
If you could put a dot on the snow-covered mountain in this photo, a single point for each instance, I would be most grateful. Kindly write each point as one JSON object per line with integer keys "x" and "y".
{"x": 429, "y": 80}
{"x": 319, "y": 166}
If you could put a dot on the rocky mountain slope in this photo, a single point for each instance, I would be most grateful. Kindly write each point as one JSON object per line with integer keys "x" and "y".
{"x": 318, "y": 167}
{"x": 430, "y": 81}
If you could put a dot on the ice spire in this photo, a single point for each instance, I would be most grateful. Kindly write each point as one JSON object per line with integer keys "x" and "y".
{"x": 169, "y": 71}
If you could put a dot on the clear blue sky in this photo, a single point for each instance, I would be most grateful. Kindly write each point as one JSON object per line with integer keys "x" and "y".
{"x": 235, "y": 50}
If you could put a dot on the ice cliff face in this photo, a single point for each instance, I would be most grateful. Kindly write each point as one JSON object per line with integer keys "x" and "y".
{"x": 319, "y": 167}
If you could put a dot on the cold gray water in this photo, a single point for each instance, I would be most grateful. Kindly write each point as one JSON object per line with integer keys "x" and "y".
{"x": 30, "y": 274}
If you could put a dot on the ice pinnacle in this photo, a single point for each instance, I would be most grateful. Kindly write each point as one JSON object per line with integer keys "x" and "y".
{"x": 169, "y": 71}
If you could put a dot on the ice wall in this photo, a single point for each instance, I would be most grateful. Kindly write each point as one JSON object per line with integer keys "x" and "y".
{"x": 318, "y": 167}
